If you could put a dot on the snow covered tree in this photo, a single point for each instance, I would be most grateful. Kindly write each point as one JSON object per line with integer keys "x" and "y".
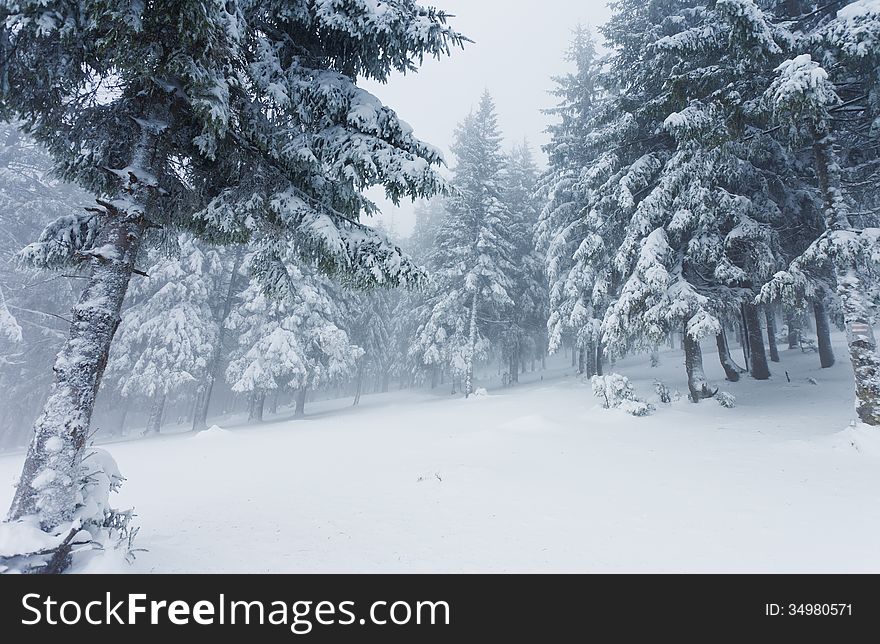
{"x": 802, "y": 98}
{"x": 169, "y": 332}
{"x": 234, "y": 120}
{"x": 572, "y": 230}
{"x": 472, "y": 262}
{"x": 292, "y": 338}
{"x": 524, "y": 326}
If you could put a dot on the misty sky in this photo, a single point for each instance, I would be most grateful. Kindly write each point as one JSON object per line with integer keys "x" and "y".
{"x": 518, "y": 47}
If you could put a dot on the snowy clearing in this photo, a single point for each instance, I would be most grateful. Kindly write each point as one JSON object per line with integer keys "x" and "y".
{"x": 535, "y": 478}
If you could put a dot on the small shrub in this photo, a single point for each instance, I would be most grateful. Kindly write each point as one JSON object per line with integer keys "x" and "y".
{"x": 663, "y": 392}
{"x": 726, "y": 399}
{"x": 637, "y": 407}
{"x": 616, "y": 391}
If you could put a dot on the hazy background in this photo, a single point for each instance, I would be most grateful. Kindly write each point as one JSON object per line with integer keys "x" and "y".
{"x": 518, "y": 47}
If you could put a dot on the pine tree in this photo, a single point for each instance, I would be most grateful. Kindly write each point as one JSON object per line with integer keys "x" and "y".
{"x": 236, "y": 121}
{"x": 472, "y": 261}
{"x": 293, "y": 339}
{"x": 572, "y": 231}
{"x": 525, "y": 323}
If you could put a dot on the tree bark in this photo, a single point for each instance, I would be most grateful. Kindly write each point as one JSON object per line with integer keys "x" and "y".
{"x": 200, "y": 417}
{"x": 472, "y": 348}
{"x": 359, "y": 386}
{"x": 823, "y": 334}
{"x": 731, "y": 369}
{"x": 760, "y": 370}
{"x": 300, "y": 410}
{"x": 60, "y": 433}
{"x": 793, "y": 320}
{"x": 257, "y": 406}
{"x": 157, "y": 411}
{"x": 591, "y": 359}
{"x": 693, "y": 362}
{"x": 771, "y": 332}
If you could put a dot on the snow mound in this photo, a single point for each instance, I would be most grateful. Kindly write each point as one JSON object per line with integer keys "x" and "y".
{"x": 212, "y": 433}
{"x": 859, "y": 437}
{"x": 480, "y": 392}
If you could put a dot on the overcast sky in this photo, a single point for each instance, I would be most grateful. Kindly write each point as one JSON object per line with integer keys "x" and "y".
{"x": 518, "y": 46}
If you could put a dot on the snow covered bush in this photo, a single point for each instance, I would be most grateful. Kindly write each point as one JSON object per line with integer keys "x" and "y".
{"x": 637, "y": 407}
{"x": 617, "y": 393}
{"x": 96, "y": 530}
{"x": 726, "y": 399}
{"x": 663, "y": 392}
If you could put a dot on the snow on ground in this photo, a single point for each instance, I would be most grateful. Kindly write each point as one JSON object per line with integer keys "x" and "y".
{"x": 534, "y": 478}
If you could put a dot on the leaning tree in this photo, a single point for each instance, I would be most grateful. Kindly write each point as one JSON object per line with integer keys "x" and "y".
{"x": 236, "y": 120}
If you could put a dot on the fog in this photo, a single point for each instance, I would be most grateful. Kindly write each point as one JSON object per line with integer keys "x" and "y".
{"x": 517, "y": 49}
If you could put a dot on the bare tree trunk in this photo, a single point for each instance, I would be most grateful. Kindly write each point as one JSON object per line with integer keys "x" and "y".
{"x": 200, "y": 417}
{"x": 61, "y": 431}
{"x": 760, "y": 370}
{"x": 472, "y": 349}
{"x": 600, "y": 357}
{"x": 157, "y": 411}
{"x": 771, "y": 332}
{"x": 256, "y": 406}
{"x": 795, "y": 328}
{"x": 743, "y": 337}
{"x": 123, "y": 416}
{"x": 300, "y": 410}
{"x": 359, "y": 386}
{"x": 582, "y": 360}
{"x": 823, "y": 334}
{"x": 693, "y": 362}
{"x": 731, "y": 369}
{"x": 591, "y": 356}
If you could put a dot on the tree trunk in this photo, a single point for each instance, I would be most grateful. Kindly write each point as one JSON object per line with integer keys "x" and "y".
{"x": 300, "y": 410}
{"x": 123, "y": 416}
{"x": 582, "y": 360}
{"x": 386, "y": 382}
{"x": 600, "y": 358}
{"x": 743, "y": 338}
{"x": 200, "y": 417}
{"x": 771, "y": 332}
{"x": 273, "y": 406}
{"x": 693, "y": 362}
{"x": 591, "y": 359}
{"x": 731, "y": 369}
{"x": 823, "y": 334}
{"x": 760, "y": 370}
{"x": 157, "y": 411}
{"x": 61, "y": 431}
{"x": 793, "y": 321}
{"x": 359, "y": 386}
{"x": 256, "y": 406}
{"x": 472, "y": 348}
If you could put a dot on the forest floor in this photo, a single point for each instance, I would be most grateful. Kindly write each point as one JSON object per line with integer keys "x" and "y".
{"x": 532, "y": 478}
